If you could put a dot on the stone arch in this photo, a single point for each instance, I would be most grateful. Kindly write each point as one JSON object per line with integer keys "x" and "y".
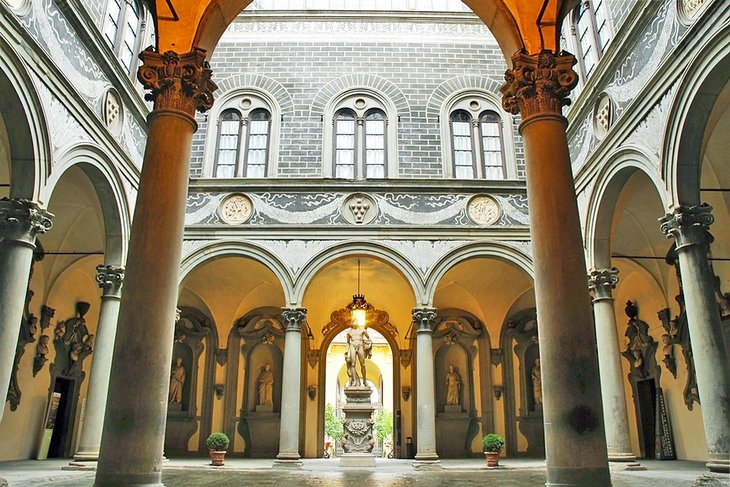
{"x": 373, "y": 84}
{"x": 373, "y": 249}
{"x": 270, "y": 86}
{"x": 499, "y": 250}
{"x": 30, "y": 148}
{"x": 471, "y": 82}
{"x": 621, "y": 165}
{"x": 705, "y": 77}
{"x": 217, "y": 249}
{"x": 102, "y": 172}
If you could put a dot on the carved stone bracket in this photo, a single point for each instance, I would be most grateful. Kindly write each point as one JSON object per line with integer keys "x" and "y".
{"x": 110, "y": 279}
{"x": 424, "y": 319}
{"x": 180, "y": 82}
{"x": 688, "y": 225}
{"x": 313, "y": 357}
{"x": 496, "y": 356}
{"x": 293, "y": 318}
{"x": 601, "y": 282}
{"x": 22, "y": 220}
{"x": 539, "y": 83}
{"x": 405, "y": 358}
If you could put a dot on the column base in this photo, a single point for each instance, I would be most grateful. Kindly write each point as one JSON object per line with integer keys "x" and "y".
{"x": 578, "y": 477}
{"x": 86, "y": 465}
{"x": 719, "y": 464}
{"x": 86, "y": 456}
{"x": 427, "y": 461}
{"x": 621, "y": 457}
{"x": 137, "y": 480}
{"x": 288, "y": 460}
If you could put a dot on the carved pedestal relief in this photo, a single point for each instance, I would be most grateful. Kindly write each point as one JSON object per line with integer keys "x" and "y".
{"x": 256, "y": 353}
{"x": 195, "y": 335}
{"x": 522, "y": 384}
{"x": 459, "y": 339}
{"x": 651, "y": 418}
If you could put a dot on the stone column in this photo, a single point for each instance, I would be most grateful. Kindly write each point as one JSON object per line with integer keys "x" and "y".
{"x": 537, "y": 88}
{"x": 290, "y": 389}
{"x": 20, "y": 222}
{"x": 424, "y": 320}
{"x": 110, "y": 280}
{"x": 134, "y": 428}
{"x": 618, "y": 442}
{"x": 688, "y": 225}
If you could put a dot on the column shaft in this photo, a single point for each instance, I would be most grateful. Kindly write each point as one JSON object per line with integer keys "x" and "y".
{"x": 615, "y": 413}
{"x": 110, "y": 280}
{"x": 575, "y": 443}
{"x": 20, "y": 222}
{"x": 134, "y": 426}
{"x": 688, "y": 225}
{"x": 291, "y": 389}
{"x": 425, "y": 396}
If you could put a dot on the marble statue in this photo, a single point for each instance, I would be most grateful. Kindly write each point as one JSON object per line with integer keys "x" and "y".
{"x": 266, "y": 386}
{"x": 453, "y": 385}
{"x": 536, "y": 382}
{"x": 177, "y": 379}
{"x": 359, "y": 347}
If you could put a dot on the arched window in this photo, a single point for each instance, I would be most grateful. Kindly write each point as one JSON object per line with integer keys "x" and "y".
{"x": 375, "y": 154}
{"x": 229, "y": 137}
{"x": 257, "y": 144}
{"x": 490, "y": 129}
{"x": 122, "y": 29}
{"x": 359, "y": 142}
{"x": 345, "y": 135}
{"x": 477, "y": 137}
{"x": 592, "y": 32}
{"x": 461, "y": 144}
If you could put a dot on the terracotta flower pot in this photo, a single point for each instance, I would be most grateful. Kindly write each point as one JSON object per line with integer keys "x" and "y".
{"x": 216, "y": 457}
{"x": 492, "y": 458}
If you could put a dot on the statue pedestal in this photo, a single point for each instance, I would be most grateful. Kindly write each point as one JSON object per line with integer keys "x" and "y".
{"x": 358, "y": 440}
{"x": 263, "y": 428}
{"x": 452, "y": 433}
{"x": 264, "y": 408}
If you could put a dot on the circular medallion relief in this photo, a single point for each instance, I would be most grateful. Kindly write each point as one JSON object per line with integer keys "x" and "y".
{"x": 603, "y": 116}
{"x": 246, "y": 103}
{"x": 359, "y": 209}
{"x": 484, "y": 210}
{"x": 688, "y": 9}
{"x": 235, "y": 209}
{"x": 112, "y": 112}
{"x": 360, "y": 103}
{"x": 474, "y": 105}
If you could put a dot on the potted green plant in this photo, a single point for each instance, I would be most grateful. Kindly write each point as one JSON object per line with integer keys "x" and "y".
{"x": 217, "y": 443}
{"x": 493, "y": 444}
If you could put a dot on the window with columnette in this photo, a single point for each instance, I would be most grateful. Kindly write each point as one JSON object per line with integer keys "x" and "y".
{"x": 122, "y": 29}
{"x": 375, "y": 153}
{"x": 592, "y": 32}
{"x": 229, "y": 137}
{"x": 461, "y": 144}
{"x": 490, "y": 130}
{"x": 345, "y": 135}
{"x": 257, "y": 144}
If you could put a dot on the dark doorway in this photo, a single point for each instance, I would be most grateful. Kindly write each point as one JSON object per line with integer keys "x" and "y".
{"x": 646, "y": 392}
{"x": 60, "y": 440}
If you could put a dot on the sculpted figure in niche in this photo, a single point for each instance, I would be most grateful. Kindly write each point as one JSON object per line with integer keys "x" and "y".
{"x": 453, "y": 385}
{"x": 359, "y": 348}
{"x": 177, "y": 379}
{"x": 536, "y": 382}
{"x": 266, "y": 386}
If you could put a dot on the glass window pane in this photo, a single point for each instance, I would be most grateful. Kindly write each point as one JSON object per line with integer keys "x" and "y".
{"x": 461, "y": 128}
{"x": 345, "y": 141}
{"x": 375, "y": 171}
{"x": 345, "y": 157}
{"x": 347, "y": 172}
{"x": 463, "y": 172}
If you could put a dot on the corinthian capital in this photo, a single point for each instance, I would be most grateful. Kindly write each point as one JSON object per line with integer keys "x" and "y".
{"x": 293, "y": 318}
{"x": 688, "y": 225}
{"x": 177, "y": 81}
{"x": 424, "y": 319}
{"x": 110, "y": 279}
{"x": 538, "y": 83}
{"x": 601, "y": 282}
{"x": 22, "y": 220}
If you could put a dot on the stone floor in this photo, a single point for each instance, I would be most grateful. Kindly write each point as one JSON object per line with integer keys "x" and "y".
{"x": 194, "y": 472}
